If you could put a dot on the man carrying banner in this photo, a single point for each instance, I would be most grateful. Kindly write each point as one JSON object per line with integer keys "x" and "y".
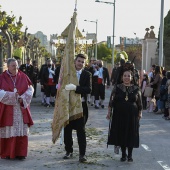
{"x": 84, "y": 88}
{"x": 70, "y": 109}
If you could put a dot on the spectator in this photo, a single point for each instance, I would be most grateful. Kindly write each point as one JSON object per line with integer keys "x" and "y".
{"x": 163, "y": 91}
{"x": 156, "y": 85}
{"x": 144, "y": 83}
{"x": 167, "y": 102}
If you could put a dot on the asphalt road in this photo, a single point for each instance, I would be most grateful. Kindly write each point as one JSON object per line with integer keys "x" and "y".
{"x": 153, "y": 153}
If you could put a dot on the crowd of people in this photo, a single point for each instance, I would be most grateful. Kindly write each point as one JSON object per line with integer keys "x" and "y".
{"x": 47, "y": 76}
{"x": 13, "y": 130}
{"x": 127, "y": 100}
{"x": 100, "y": 79}
{"x": 158, "y": 81}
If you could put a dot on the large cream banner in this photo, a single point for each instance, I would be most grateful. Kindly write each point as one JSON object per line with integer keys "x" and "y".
{"x": 68, "y": 104}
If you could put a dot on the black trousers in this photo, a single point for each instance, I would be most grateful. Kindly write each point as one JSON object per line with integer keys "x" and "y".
{"x": 79, "y": 126}
{"x": 35, "y": 88}
{"x": 50, "y": 90}
{"x": 85, "y": 112}
{"x": 144, "y": 102}
{"x": 156, "y": 98}
{"x": 166, "y": 112}
{"x": 99, "y": 91}
{"x": 93, "y": 87}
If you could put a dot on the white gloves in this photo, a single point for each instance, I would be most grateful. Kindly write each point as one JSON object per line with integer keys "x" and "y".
{"x": 70, "y": 87}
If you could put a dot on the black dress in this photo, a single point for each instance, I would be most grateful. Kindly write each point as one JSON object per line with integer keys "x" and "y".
{"x": 124, "y": 125}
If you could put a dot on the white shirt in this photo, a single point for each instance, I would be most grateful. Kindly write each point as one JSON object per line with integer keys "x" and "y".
{"x": 78, "y": 74}
{"x": 51, "y": 72}
{"x": 96, "y": 73}
{"x": 150, "y": 74}
{"x": 100, "y": 73}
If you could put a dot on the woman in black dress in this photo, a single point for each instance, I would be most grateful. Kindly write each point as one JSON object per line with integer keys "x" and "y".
{"x": 126, "y": 107}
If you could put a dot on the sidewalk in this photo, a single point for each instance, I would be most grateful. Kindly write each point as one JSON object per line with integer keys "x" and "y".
{"x": 43, "y": 154}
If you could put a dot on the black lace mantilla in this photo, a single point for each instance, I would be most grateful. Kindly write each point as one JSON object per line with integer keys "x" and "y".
{"x": 126, "y": 89}
{"x": 129, "y": 89}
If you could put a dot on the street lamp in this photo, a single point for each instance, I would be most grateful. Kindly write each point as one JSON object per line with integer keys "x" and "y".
{"x": 111, "y": 3}
{"x": 96, "y": 37}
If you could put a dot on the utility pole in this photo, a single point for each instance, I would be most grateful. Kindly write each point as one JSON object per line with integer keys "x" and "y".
{"x": 111, "y": 3}
{"x": 161, "y": 34}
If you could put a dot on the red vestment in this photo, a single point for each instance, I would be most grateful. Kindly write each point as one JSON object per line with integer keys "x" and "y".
{"x": 14, "y": 145}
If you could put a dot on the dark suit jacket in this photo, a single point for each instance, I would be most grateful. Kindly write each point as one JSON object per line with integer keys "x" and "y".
{"x": 35, "y": 74}
{"x": 85, "y": 86}
{"x": 45, "y": 75}
{"x": 57, "y": 73}
{"x": 113, "y": 76}
{"x": 119, "y": 73}
{"x": 106, "y": 76}
{"x": 91, "y": 70}
{"x": 41, "y": 71}
{"x": 29, "y": 71}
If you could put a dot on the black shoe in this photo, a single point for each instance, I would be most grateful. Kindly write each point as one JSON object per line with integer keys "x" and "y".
{"x": 52, "y": 104}
{"x": 68, "y": 155}
{"x": 164, "y": 117}
{"x": 156, "y": 109}
{"x": 82, "y": 158}
{"x": 96, "y": 107}
{"x": 167, "y": 118}
{"x": 102, "y": 106}
{"x": 130, "y": 159}
{"x": 123, "y": 159}
{"x": 20, "y": 157}
{"x": 47, "y": 105}
{"x": 91, "y": 104}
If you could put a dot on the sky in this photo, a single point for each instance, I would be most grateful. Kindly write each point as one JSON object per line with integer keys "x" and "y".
{"x": 53, "y": 16}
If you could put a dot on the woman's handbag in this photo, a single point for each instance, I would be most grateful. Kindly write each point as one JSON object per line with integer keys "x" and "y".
{"x": 148, "y": 91}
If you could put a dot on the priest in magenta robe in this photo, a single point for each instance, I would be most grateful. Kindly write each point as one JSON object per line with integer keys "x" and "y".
{"x": 15, "y": 118}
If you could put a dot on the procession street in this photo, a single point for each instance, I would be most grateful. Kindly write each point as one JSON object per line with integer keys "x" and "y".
{"x": 153, "y": 153}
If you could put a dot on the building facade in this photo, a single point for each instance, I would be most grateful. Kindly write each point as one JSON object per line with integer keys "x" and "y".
{"x": 43, "y": 39}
